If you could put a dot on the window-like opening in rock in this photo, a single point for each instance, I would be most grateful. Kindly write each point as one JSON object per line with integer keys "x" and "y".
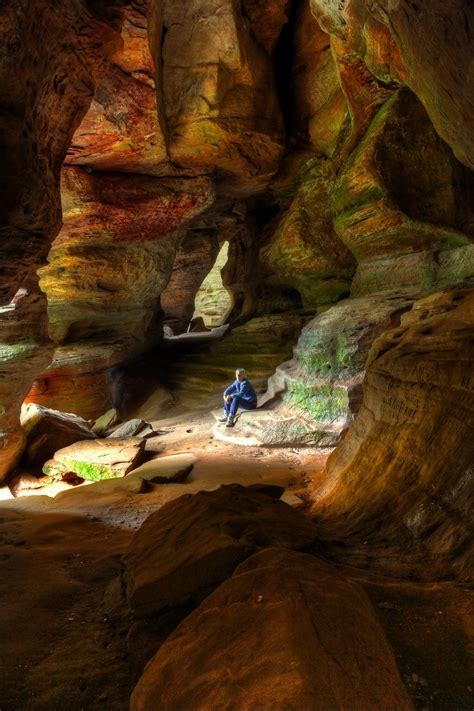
{"x": 213, "y": 303}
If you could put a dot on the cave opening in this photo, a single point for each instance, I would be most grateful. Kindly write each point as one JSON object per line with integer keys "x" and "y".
{"x": 213, "y": 203}
{"x": 212, "y": 302}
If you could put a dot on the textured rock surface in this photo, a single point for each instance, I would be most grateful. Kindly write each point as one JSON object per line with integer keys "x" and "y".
{"x": 213, "y": 302}
{"x": 325, "y": 377}
{"x": 121, "y": 131}
{"x": 194, "y": 260}
{"x": 428, "y": 47}
{"x": 219, "y": 94}
{"x": 314, "y": 640}
{"x": 46, "y": 89}
{"x": 305, "y": 253}
{"x": 402, "y": 478}
{"x": 97, "y": 459}
{"x": 319, "y": 107}
{"x": 47, "y": 431}
{"x": 106, "y": 271}
{"x": 389, "y": 201}
{"x": 193, "y": 543}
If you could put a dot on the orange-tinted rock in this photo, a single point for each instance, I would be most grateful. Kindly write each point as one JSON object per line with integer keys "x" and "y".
{"x": 193, "y": 543}
{"x": 400, "y": 484}
{"x": 106, "y": 271}
{"x": 121, "y": 131}
{"x": 435, "y": 42}
{"x": 319, "y": 108}
{"x": 286, "y": 631}
{"x": 219, "y": 94}
{"x": 426, "y": 46}
{"x": 363, "y": 93}
{"x": 398, "y": 193}
{"x": 115, "y": 252}
{"x": 51, "y": 59}
{"x": 47, "y": 431}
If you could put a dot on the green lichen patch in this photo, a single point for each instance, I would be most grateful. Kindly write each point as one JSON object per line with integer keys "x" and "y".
{"x": 86, "y": 470}
{"x": 324, "y": 403}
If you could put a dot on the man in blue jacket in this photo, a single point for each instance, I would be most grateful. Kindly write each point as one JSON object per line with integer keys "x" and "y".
{"x": 239, "y": 394}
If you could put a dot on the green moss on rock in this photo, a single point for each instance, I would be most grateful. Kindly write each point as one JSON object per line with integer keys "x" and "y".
{"x": 325, "y": 403}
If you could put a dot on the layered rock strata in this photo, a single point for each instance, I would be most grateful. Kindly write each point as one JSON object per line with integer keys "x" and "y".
{"x": 106, "y": 271}
{"x": 401, "y": 480}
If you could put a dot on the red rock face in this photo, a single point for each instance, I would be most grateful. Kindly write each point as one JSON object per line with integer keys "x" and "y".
{"x": 121, "y": 131}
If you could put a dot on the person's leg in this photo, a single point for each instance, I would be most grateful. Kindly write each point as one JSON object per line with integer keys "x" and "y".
{"x": 226, "y": 412}
{"x": 234, "y": 405}
{"x": 243, "y": 404}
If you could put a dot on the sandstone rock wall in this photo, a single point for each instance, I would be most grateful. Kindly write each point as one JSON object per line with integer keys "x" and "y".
{"x": 401, "y": 482}
{"x": 47, "y": 86}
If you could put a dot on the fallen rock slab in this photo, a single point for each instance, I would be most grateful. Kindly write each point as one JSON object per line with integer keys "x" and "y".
{"x": 131, "y": 428}
{"x": 193, "y": 543}
{"x": 47, "y": 431}
{"x": 23, "y": 481}
{"x": 106, "y": 421}
{"x": 286, "y": 631}
{"x": 98, "y": 459}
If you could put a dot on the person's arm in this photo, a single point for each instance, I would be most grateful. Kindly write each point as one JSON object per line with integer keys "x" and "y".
{"x": 231, "y": 389}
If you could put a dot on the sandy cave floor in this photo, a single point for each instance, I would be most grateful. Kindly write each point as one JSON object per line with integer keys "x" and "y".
{"x": 59, "y": 649}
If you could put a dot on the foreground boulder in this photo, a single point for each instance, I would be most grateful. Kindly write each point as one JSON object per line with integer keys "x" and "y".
{"x": 286, "y": 631}
{"x": 193, "y": 543}
{"x": 96, "y": 460}
{"x": 49, "y": 430}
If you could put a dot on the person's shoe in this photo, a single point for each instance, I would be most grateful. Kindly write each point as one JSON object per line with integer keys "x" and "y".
{"x": 223, "y": 418}
{"x": 230, "y": 421}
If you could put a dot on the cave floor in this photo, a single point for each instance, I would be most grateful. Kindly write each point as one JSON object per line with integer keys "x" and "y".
{"x": 60, "y": 650}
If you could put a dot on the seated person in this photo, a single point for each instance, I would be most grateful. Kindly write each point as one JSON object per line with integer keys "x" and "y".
{"x": 239, "y": 394}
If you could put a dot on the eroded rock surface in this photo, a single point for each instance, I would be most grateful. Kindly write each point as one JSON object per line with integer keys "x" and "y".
{"x": 401, "y": 480}
{"x": 49, "y": 430}
{"x": 219, "y": 94}
{"x": 313, "y": 637}
{"x": 47, "y": 87}
{"x": 193, "y": 543}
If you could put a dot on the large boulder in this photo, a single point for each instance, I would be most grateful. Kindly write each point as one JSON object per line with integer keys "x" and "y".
{"x": 195, "y": 542}
{"x": 286, "y": 631}
{"x": 97, "y": 459}
{"x": 49, "y": 430}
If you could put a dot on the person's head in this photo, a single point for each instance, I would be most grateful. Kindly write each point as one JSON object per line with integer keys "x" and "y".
{"x": 240, "y": 374}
